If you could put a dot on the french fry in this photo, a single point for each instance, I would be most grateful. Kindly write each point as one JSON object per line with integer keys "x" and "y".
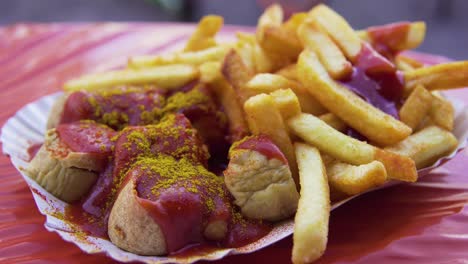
{"x": 438, "y": 77}
{"x": 338, "y": 29}
{"x": 416, "y": 107}
{"x": 264, "y": 118}
{"x": 237, "y": 74}
{"x": 376, "y": 125}
{"x": 245, "y": 48}
{"x": 352, "y": 180}
{"x": 210, "y": 71}
{"x": 340, "y": 146}
{"x": 426, "y": 146}
{"x": 267, "y": 83}
{"x": 328, "y": 52}
{"x": 405, "y": 63}
{"x": 287, "y": 103}
{"x": 333, "y": 121}
{"x": 216, "y": 53}
{"x": 272, "y": 16}
{"x": 293, "y": 23}
{"x": 442, "y": 113}
{"x": 396, "y": 36}
{"x": 166, "y": 77}
{"x": 279, "y": 42}
{"x": 289, "y": 72}
{"x": 203, "y": 37}
{"x": 313, "y": 212}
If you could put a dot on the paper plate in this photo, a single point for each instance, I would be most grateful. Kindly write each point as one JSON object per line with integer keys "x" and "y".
{"x": 27, "y": 128}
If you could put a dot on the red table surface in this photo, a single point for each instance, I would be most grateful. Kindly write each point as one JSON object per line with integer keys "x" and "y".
{"x": 426, "y": 222}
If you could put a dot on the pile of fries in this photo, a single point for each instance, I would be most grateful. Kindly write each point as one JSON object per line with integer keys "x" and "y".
{"x": 283, "y": 82}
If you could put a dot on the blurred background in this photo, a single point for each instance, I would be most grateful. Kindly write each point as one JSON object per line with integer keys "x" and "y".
{"x": 446, "y": 19}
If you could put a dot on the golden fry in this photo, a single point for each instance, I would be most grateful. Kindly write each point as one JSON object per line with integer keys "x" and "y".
{"x": 216, "y": 53}
{"x": 426, "y": 146}
{"x": 203, "y": 36}
{"x": 376, "y": 125}
{"x": 267, "y": 83}
{"x": 287, "y": 103}
{"x": 442, "y": 113}
{"x": 438, "y": 77}
{"x": 289, "y": 72}
{"x": 352, "y": 180}
{"x": 397, "y": 37}
{"x": 237, "y": 74}
{"x": 333, "y": 121}
{"x": 416, "y": 107}
{"x": 166, "y": 77}
{"x": 264, "y": 118}
{"x": 328, "y": 52}
{"x": 338, "y": 29}
{"x": 313, "y": 212}
{"x": 340, "y": 146}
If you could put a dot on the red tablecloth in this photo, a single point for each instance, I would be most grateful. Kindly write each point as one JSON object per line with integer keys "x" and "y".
{"x": 425, "y": 222}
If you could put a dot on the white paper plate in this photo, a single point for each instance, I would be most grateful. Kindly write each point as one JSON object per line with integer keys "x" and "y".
{"x": 27, "y": 127}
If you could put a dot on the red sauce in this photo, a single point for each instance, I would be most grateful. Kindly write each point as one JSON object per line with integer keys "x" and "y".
{"x": 377, "y": 81}
{"x": 387, "y": 39}
{"x": 263, "y": 145}
{"x": 182, "y": 205}
{"x": 117, "y": 108}
{"x": 33, "y": 149}
{"x": 88, "y": 137}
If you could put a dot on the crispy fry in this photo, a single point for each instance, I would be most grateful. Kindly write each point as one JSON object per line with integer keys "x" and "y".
{"x": 216, "y": 53}
{"x": 328, "y": 52}
{"x": 352, "y": 180}
{"x": 267, "y": 83}
{"x": 287, "y": 103}
{"x": 280, "y": 43}
{"x": 264, "y": 118}
{"x": 438, "y": 77}
{"x": 289, "y": 72}
{"x": 316, "y": 132}
{"x": 237, "y": 74}
{"x": 293, "y": 23}
{"x": 166, "y": 77}
{"x": 338, "y": 29}
{"x": 210, "y": 71}
{"x": 203, "y": 37}
{"x": 426, "y": 146}
{"x": 410, "y": 62}
{"x": 333, "y": 121}
{"x": 416, "y": 107}
{"x": 442, "y": 112}
{"x": 313, "y": 212}
{"x": 376, "y": 125}
{"x": 272, "y": 16}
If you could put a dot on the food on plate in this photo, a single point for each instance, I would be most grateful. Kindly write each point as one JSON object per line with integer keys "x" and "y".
{"x": 215, "y": 144}
{"x": 313, "y": 211}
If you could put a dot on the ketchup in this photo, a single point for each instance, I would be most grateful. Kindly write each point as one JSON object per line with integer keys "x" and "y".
{"x": 264, "y": 145}
{"x": 387, "y": 39}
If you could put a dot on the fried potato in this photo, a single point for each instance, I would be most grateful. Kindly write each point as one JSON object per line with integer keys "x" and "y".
{"x": 267, "y": 83}
{"x": 288, "y": 72}
{"x": 210, "y": 71}
{"x": 328, "y": 52}
{"x": 338, "y": 29}
{"x": 340, "y": 146}
{"x": 204, "y": 34}
{"x": 264, "y": 118}
{"x": 166, "y": 77}
{"x": 352, "y": 180}
{"x": 408, "y": 62}
{"x": 333, "y": 121}
{"x": 416, "y": 107}
{"x": 442, "y": 113}
{"x": 237, "y": 74}
{"x": 287, "y": 103}
{"x": 396, "y": 36}
{"x": 313, "y": 212}
{"x": 438, "y": 77}
{"x": 216, "y": 53}
{"x": 376, "y": 125}
{"x": 279, "y": 42}
{"x": 272, "y": 16}
{"x": 293, "y": 23}
{"x": 426, "y": 146}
